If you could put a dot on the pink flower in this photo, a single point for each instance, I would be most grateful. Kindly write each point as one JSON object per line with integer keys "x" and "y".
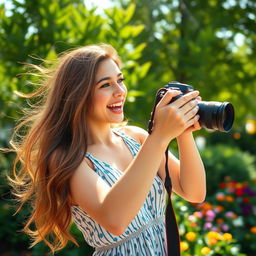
{"x": 229, "y": 214}
{"x": 210, "y": 213}
{"x": 209, "y": 218}
{"x": 225, "y": 227}
{"x": 198, "y": 214}
{"x": 207, "y": 225}
{"x": 192, "y": 218}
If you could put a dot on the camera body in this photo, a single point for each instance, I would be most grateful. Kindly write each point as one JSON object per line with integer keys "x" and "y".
{"x": 213, "y": 115}
{"x": 184, "y": 88}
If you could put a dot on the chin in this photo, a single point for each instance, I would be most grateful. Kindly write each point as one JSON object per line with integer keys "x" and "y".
{"x": 117, "y": 120}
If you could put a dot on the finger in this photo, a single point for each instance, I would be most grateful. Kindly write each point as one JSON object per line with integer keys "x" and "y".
{"x": 194, "y": 127}
{"x": 197, "y": 125}
{"x": 199, "y": 98}
{"x": 168, "y": 97}
{"x": 186, "y": 98}
{"x": 189, "y": 106}
{"x": 192, "y": 121}
{"x": 192, "y": 112}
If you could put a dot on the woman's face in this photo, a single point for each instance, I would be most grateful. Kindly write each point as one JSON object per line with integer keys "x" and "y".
{"x": 109, "y": 95}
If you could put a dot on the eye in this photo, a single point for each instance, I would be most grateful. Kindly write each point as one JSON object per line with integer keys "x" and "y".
{"x": 120, "y": 80}
{"x": 105, "y": 85}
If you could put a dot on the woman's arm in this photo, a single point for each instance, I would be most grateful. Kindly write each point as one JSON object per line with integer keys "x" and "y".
{"x": 192, "y": 173}
{"x": 187, "y": 174}
{"x": 115, "y": 207}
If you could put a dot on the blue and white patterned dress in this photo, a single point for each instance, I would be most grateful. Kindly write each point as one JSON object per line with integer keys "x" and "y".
{"x": 145, "y": 235}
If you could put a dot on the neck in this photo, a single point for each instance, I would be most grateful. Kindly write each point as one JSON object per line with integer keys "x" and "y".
{"x": 99, "y": 134}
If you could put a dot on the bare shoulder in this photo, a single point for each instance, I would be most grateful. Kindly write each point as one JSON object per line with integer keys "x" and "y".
{"x": 87, "y": 187}
{"x": 139, "y": 134}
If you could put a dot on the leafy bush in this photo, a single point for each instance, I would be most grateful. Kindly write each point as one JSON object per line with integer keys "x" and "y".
{"x": 221, "y": 161}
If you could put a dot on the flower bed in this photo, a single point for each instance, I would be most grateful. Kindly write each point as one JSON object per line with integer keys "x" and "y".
{"x": 224, "y": 224}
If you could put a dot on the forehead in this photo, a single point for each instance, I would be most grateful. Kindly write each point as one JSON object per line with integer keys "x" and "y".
{"x": 107, "y": 68}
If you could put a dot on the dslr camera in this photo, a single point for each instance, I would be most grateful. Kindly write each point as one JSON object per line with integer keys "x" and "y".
{"x": 213, "y": 115}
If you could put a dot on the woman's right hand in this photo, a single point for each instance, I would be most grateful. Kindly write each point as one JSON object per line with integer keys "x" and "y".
{"x": 172, "y": 119}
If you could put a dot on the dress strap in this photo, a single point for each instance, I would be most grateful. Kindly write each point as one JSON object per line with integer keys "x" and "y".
{"x": 96, "y": 162}
{"x": 91, "y": 157}
{"x": 131, "y": 143}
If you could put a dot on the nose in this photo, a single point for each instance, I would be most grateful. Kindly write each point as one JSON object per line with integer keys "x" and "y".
{"x": 120, "y": 90}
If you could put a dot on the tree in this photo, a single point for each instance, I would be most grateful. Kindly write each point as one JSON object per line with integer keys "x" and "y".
{"x": 209, "y": 44}
{"x": 31, "y": 31}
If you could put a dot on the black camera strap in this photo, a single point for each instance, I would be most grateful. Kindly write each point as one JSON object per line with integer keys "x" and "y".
{"x": 172, "y": 231}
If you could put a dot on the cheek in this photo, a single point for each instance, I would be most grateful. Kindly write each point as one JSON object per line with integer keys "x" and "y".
{"x": 103, "y": 97}
{"x": 100, "y": 99}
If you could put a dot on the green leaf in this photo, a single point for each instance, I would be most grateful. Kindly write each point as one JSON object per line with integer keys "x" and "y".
{"x": 126, "y": 32}
{"x": 129, "y": 13}
{"x": 52, "y": 55}
{"x": 137, "y": 30}
{"x": 135, "y": 93}
{"x": 144, "y": 69}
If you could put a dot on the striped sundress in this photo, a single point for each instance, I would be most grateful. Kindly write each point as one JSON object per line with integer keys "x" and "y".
{"x": 145, "y": 235}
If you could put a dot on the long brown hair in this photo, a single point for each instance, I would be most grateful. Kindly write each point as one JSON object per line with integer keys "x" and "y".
{"x": 55, "y": 142}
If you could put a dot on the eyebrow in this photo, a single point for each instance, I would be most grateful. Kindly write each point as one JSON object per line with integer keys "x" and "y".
{"x": 107, "y": 78}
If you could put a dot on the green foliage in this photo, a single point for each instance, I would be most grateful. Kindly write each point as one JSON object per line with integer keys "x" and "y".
{"x": 208, "y": 44}
{"x": 246, "y": 142}
{"x": 44, "y": 29}
{"x": 189, "y": 41}
{"x": 222, "y": 160}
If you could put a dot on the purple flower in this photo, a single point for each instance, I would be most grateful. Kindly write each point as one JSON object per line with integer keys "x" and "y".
{"x": 249, "y": 191}
{"x": 225, "y": 227}
{"x": 207, "y": 225}
{"x": 229, "y": 214}
{"x": 210, "y": 213}
{"x": 246, "y": 209}
{"x": 209, "y": 218}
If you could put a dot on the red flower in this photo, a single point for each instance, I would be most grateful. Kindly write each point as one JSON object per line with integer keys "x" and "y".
{"x": 246, "y": 199}
{"x": 239, "y": 191}
{"x": 223, "y": 185}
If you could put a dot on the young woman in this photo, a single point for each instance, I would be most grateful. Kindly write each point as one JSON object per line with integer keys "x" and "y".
{"x": 72, "y": 165}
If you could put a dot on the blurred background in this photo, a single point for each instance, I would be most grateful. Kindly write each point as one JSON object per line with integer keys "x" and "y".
{"x": 208, "y": 44}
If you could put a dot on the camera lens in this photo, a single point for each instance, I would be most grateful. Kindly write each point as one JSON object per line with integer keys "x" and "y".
{"x": 216, "y": 115}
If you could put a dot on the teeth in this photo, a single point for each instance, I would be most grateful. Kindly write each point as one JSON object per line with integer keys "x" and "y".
{"x": 115, "y": 105}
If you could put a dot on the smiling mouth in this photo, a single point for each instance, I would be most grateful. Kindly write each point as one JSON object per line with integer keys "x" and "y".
{"x": 116, "y": 107}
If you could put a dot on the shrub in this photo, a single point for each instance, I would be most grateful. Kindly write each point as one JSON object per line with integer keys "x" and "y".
{"x": 221, "y": 161}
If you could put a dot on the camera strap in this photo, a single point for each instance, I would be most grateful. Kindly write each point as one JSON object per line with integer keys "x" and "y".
{"x": 172, "y": 231}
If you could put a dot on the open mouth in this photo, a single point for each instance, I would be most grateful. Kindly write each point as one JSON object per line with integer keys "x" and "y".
{"x": 116, "y": 107}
